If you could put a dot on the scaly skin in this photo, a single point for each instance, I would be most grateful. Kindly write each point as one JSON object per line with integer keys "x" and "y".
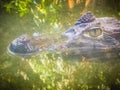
{"x": 101, "y": 33}
{"x": 86, "y": 35}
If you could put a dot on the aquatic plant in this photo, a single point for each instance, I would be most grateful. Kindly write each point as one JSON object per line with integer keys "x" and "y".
{"x": 57, "y": 74}
{"x": 48, "y": 71}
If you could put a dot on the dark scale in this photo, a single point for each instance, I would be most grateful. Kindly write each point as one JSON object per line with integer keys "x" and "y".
{"x": 86, "y": 18}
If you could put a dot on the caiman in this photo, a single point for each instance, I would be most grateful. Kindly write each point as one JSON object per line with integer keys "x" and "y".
{"x": 89, "y": 35}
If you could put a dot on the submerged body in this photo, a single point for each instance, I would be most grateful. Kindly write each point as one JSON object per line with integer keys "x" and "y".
{"x": 86, "y": 35}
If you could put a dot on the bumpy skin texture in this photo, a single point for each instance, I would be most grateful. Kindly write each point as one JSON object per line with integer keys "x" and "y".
{"x": 88, "y": 33}
{"x": 94, "y": 33}
{"x": 22, "y": 45}
{"x": 26, "y": 45}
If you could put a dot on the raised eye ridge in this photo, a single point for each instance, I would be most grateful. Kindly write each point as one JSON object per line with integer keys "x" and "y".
{"x": 71, "y": 31}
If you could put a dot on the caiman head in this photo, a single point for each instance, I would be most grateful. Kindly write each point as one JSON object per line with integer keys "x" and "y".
{"x": 90, "y": 33}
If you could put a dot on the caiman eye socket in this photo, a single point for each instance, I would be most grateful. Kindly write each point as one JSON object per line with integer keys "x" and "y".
{"x": 93, "y": 33}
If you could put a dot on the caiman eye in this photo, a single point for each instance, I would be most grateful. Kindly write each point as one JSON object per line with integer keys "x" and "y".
{"x": 93, "y": 33}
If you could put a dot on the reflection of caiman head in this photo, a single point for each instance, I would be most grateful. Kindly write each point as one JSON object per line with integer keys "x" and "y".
{"x": 94, "y": 33}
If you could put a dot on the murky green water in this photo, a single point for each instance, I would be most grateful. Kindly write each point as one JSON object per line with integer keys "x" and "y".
{"x": 12, "y": 68}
